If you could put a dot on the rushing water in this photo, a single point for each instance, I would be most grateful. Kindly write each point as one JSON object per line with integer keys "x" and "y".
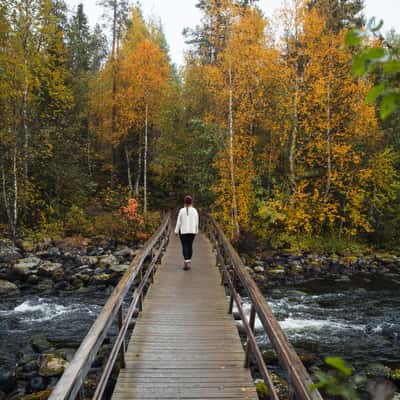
{"x": 64, "y": 320}
{"x": 358, "y": 320}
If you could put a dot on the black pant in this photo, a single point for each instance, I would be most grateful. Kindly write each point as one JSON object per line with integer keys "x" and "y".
{"x": 187, "y": 245}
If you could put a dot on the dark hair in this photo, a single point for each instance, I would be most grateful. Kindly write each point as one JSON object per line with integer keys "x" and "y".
{"x": 188, "y": 199}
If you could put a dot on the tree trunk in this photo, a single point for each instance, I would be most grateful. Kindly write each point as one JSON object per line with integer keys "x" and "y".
{"x": 15, "y": 203}
{"x": 128, "y": 166}
{"x": 5, "y": 198}
{"x": 25, "y": 126}
{"x": 139, "y": 173}
{"x": 114, "y": 89}
{"x": 88, "y": 150}
{"x": 293, "y": 144}
{"x": 235, "y": 224}
{"x": 146, "y": 127}
{"x": 328, "y": 138}
{"x": 269, "y": 187}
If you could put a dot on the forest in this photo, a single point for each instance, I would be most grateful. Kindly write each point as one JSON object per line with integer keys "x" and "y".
{"x": 267, "y": 124}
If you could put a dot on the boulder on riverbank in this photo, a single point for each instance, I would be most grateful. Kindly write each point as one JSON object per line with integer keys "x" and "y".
{"x": 50, "y": 269}
{"x": 277, "y": 268}
{"x": 8, "y": 288}
{"x": 8, "y": 251}
{"x": 26, "y": 266}
{"x": 52, "y": 365}
{"x": 62, "y": 267}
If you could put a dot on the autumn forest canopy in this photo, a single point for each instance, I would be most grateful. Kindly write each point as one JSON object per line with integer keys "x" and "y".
{"x": 266, "y": 124}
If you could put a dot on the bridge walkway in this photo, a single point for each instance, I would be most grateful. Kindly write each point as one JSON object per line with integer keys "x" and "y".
{"x": 185, "y": 344}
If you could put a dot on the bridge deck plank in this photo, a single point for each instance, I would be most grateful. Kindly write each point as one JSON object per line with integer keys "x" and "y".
{"x": 185, "y": 345}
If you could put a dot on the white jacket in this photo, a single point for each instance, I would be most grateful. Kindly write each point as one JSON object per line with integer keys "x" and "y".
{"x": 188, "y": 221}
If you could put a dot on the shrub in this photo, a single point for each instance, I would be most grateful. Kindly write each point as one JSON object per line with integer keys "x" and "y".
{"x": 77, "y": 223}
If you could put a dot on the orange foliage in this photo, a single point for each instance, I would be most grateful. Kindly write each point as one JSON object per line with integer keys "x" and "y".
{"x": 131, "y": 211}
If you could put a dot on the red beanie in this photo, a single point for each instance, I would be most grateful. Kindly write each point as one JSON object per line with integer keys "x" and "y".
{"x": 188, "y": 199}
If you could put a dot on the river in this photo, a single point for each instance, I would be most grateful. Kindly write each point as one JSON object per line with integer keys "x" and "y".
{"x": 357, "y": 320}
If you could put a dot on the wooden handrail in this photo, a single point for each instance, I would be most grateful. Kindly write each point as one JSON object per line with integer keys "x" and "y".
{"x": 70, "y": 384}
{"x": 298, "y": 377}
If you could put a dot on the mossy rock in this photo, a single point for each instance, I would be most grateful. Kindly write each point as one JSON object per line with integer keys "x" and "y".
{"x": 379, "y": 370}
{"x": 270, "y": 357}
{"x": 308, "y": 359}
{"x": 52, "y": 365}
{"x": 101, "y": 278}
{"x": 120, "y": 269}
{"x": 280, "y": 385}
{"x": 66, "y": 353}
{"x": 349, "y": 260}
{"x": 277, "y": 272}
{"x": 40, "y": 343}
{"x": 28, "y": 246}
{"x": 296, "y": 269}
{"x": 43, "y": 395}
{"x": 262, "y": 390}
{"x": 395, "y": 376}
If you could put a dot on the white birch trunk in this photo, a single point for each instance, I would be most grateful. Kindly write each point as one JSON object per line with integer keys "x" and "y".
{"x": 146, "y": 127}
{"x": 328, "y": 136}
{"x": 5, "y": 197}
{"x": 269, "y": 187}
{"x": 235, "y": 224}
{"x": 114, "y": 90}
{"x": 25, "y": 125}
{"x": 15, "y": 203}
{"x": 293, "y": 144}
{"x": 139, "y": 173}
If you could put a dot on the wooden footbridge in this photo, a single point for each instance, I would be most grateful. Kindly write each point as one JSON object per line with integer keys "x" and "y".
{"x": 184, "y": 343}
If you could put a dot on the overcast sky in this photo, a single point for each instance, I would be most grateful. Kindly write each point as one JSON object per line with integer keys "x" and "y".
{"x": 178, "y": 14}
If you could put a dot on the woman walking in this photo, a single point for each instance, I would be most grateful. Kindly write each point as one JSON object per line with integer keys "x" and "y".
{"x": 187, "y": 226}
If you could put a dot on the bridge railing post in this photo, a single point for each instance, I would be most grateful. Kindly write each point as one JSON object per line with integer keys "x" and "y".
{"x": 235, "y": 275}
{"x": 120, "y": 326}
{"x": 222, "y": 264}
{"x": 252, "y": 320}
{"x": 233, "y": 291}
{"x": 141, "y": 294}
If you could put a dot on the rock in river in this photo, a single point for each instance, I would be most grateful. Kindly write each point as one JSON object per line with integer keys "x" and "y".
{"x": 40, "y": 344}
{"x": 52, "y": 365}
{"x": 7, "y": 381}
{"x": 36, "y": 384}
{"x": 7, "y": 288}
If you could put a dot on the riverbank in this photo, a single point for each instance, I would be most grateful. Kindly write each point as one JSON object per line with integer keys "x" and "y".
{"x": 276, "y": 269}
{"x": 327, "y": 305}
{"x": 345, "y": 306}
{"x": 49, "y": 297}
